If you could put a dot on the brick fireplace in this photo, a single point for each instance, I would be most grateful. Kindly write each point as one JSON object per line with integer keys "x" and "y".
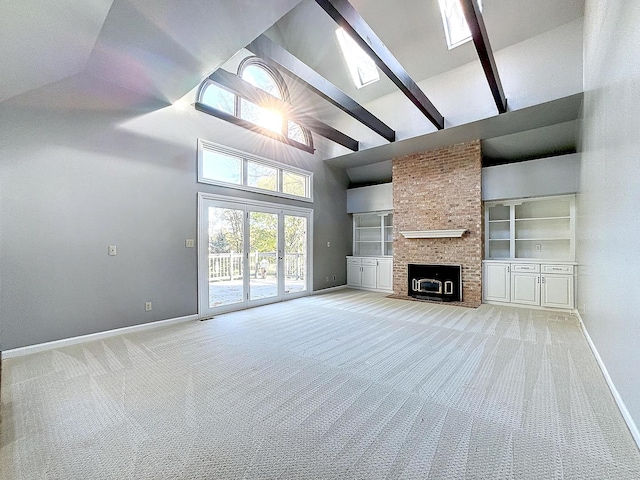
{"x": 439, "y": 190}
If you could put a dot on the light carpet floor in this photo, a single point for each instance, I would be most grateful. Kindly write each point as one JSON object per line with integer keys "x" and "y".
{"x": 343, "y": 385}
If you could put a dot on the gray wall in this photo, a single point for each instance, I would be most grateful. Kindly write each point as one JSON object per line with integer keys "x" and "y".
{"x": 84, "y": 165}
{"x": 534, "y": 178}
{"x": 609, "y": 203}
{"x": 374, "y": 198}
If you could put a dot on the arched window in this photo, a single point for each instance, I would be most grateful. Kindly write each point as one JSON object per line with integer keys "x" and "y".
{"x": 259, "y": 74}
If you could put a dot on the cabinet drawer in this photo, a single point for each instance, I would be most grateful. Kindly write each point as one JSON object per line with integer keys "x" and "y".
{"x": 354, "y": 261}
{"x": 557, "y": 268}
{"x": 525, "y": 267}
{"x": 369, "y": 261}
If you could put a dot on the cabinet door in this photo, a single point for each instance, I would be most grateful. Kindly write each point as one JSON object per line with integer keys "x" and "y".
{"x": 354, "y": 273}
{"x": 369, "y": 276}
{"x": 525, "y": 288}
{"x": 385, "y": 274}
{"x": 497, "y": 282}
{"x": 557, "y": 291}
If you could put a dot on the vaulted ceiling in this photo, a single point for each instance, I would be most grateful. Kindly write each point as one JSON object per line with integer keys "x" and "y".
{"x": 164, "y": 48}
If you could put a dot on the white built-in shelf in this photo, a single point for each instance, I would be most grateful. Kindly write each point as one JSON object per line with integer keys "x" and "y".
{"x": 531, "y": 228}
{"x": 372, "y": 234}
{"x": 434, "y": 233}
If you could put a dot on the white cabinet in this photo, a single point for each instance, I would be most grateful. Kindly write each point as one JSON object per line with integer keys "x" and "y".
{"x": 370, "y": 273}
{"x": 557, "y": 291}
{"x": 497, "y": 282}
{"x": 384, "y": 278}
{"x": 530, "y": 283}
{"x": 354, "y": 272}
{"x": 525, "y": 288}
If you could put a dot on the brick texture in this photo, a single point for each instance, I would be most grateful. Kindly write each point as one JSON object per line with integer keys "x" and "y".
{"x": 437, "y": 190}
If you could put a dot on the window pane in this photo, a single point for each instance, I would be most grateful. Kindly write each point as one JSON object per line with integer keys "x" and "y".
{"x": 221, "y": 167}
{"x": 262, "y": 176}
{"x": 294, "y": 184}
{"x": 263, "y": 255}
{"x": 261, "y": 116}
{"x": 259, "y": 77}
{"x": 219, "y": 98}
{"x": 456, "y": 28}
{"x": 362, "y": 68}
{"x": 295, "y": 253}
{"x": 226, "y": 244}
{"x": 296, "y": 133}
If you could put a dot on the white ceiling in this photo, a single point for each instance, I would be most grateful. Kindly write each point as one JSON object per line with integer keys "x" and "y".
{"x": 160, "y": 48}
{"x": 164, "y": 48}
{"x": 412, "y": 30}
{"x": 44, "y": 41}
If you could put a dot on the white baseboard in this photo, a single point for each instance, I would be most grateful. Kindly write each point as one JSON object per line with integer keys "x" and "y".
{"x": 40, "y": 347}
{"x": 633, "y": 428}
{"x": 327, "y": 290}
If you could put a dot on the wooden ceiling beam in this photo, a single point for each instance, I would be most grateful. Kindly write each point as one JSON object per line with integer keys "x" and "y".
{"x": 258, "y": 96}
{"x": 277, "y": 56}
{"x": 348, "y": 18}
{"x": 475, "y": 21}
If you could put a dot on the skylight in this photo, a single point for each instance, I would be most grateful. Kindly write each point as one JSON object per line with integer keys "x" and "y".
{"x": 363, "y": 70}
{"x": 455, "y": 25}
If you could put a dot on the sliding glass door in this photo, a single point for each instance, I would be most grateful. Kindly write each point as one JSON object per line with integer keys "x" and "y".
{"x": 250, "y": 253}
{"x": 223, "y": 242}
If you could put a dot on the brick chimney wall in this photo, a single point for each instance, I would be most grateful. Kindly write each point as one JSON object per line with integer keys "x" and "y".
{"x": 439, "y": 190}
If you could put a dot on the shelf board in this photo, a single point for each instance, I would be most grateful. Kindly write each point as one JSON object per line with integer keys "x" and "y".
{"x": 368, "y": 228}
{"x": 526, "y": 219}
{"x": 542, "y": 239}
{"x": 499, "y": 221}
{"x": 368, "y": 241}
{"x": 499, "y": 240}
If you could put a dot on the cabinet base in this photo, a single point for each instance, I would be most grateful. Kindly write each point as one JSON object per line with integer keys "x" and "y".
{"x": 370, "y": 289}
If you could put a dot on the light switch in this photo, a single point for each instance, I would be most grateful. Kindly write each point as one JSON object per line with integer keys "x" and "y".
{"x": 112, "y": 250}
{"x": 189, "y": 243}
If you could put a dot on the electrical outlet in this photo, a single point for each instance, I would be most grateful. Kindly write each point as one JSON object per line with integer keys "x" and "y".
{"x": 189, "y": 243}
{"x": 327, "y": 279}
{"x": 538, "y": 247}
{"x": 112, "y": 250}
{"x": 328, "y": 244}
{"x": 147, "y": 307}
{"x": 334, "y": 277}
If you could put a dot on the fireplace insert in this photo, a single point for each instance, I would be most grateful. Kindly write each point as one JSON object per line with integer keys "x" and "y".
{"x": 435, "y": 282}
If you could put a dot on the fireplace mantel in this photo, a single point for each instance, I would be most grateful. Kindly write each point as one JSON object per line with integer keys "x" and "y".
{"x": 434, "y": 233}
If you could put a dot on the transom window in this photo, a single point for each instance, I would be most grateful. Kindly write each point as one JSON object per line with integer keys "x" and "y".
{"x": 220, "y": 165}
{"x": 256, "y": 72}
{"x": 455, "y": 25}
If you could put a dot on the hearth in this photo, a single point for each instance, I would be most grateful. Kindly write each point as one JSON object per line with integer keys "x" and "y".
{"x": 435, "y": 282}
